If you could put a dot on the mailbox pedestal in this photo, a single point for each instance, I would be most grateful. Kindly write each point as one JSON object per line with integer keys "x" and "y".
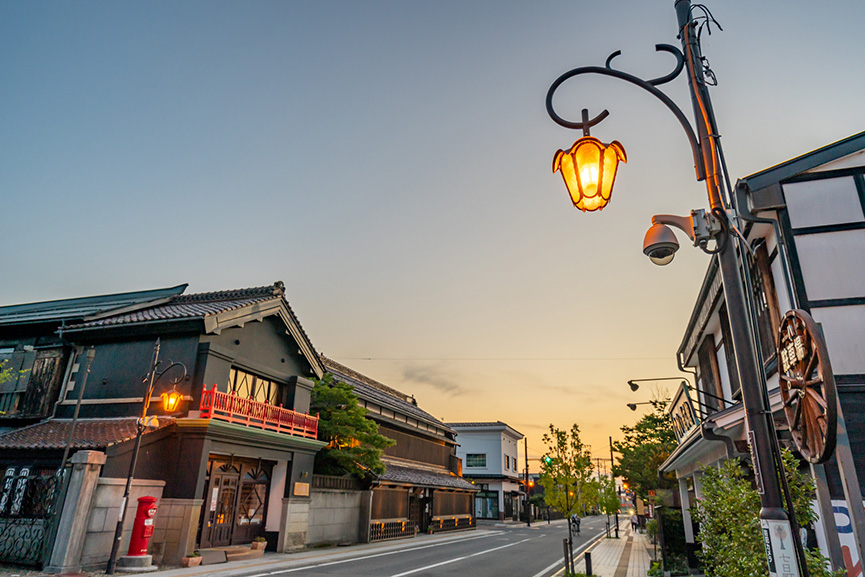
{"x": 137, "y": 558}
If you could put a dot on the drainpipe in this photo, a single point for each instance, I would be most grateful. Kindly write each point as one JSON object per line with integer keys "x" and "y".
{"x": 707, "y": 430}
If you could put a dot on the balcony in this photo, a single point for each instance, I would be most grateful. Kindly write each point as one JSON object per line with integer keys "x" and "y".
{"x": 231, "y": 408}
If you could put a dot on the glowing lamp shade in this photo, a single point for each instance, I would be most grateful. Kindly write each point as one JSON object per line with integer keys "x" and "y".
{"x": 171, "y": 400}
{"x": 589, "y": 171}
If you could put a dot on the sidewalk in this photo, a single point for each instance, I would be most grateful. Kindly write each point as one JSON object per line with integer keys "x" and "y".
{"x": 627, "y": 556}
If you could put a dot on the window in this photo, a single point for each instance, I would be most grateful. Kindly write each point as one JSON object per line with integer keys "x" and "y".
{"x": 246, "y": 385}
{"x": 476, "y": 460}
{"x": 729, "y": 353}
{"x": 766, "y": 301}
{"x": 507, "y": 462}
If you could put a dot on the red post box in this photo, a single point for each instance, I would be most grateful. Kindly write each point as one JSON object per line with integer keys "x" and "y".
{"x": 142, "y": 528}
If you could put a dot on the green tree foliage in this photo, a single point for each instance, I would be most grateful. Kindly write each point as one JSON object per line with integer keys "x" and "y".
{"x": 608, "y": 498}
{"x": 565, "y": 471}
{"x": 646, "y": 445}
{"x": 728, "y": 514}
{"x": 355, "y": 445}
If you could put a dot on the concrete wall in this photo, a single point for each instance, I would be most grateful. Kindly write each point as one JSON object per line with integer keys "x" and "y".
{"x": 293, "y": 525}
{"x": 334, "y": 517}
{"x": 175, "y": 530}
{"x": 104, "y": 512}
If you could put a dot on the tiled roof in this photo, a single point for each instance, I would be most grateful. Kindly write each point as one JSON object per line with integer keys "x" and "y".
{"x": 192, "y": 306}
{"x": 89, "y": 433}
{"x": 77, "y": 308}
{"x": 371, "y": 390}
{"x": 422, "y": 477}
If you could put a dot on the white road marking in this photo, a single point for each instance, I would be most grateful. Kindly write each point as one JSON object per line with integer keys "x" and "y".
{"x": 461, "y": 558}
{"x": 550, "y": 568}
{"x": 340, "y": 562}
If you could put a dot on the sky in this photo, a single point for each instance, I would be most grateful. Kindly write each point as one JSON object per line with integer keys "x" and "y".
{"x": 391, "y": 163}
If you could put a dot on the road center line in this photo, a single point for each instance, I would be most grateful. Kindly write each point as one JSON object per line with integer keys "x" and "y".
{"x": 340, "y": 562}
{"x": 448, "y": 562}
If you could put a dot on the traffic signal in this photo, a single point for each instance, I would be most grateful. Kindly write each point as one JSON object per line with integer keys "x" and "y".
{"x": 548, "y": 459}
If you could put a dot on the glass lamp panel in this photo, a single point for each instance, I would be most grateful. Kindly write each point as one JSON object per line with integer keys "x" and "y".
{"x": 587, "y": 156}
{"x": 170, "y": 401}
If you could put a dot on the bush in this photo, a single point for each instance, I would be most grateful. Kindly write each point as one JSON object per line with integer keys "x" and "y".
{"x": 729, "y": 517}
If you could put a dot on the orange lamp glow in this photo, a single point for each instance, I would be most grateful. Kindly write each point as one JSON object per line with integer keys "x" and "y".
{"x": 589, "y": 171}
{"x": 171, "y": 400}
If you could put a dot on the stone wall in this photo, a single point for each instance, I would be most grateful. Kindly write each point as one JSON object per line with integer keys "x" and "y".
{"x": 334, "y": 517}
{"x": 175, "y": 530}
{"x": 104, "y": 511}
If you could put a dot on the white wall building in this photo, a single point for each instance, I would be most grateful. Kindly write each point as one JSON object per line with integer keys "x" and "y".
{"x": 804, "y": 220}
{"x": 489, "y": 454}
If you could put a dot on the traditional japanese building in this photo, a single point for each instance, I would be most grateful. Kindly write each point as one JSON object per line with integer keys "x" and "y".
{"x": 231, "y": 463}
{"x": 422, "y": 488}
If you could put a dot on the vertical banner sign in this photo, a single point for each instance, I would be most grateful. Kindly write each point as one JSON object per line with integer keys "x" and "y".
{"x": 758, "y": 478}
{"x": 780, "y": 553}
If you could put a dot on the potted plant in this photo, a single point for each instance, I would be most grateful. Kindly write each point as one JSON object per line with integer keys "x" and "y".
{"x": 259, "y": 543}
{"x": 193, "y": 560}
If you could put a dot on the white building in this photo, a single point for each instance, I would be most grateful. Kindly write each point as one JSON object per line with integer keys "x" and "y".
{"x": 489, "y": 455}
{"x": 804, "y": 220}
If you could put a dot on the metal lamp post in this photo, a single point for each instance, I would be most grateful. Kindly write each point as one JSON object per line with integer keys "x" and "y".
{"x": 718, "y": 225}
{"x": 170, "y": 402}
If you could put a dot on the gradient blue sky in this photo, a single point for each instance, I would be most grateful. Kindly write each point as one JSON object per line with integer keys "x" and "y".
{"x": 390, "y": 161}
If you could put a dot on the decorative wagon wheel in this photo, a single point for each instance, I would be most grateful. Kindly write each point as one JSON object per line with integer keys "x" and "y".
{"x": 807, "y": 386}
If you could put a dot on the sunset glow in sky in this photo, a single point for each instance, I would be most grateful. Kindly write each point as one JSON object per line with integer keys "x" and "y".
{"x": 391, "y": 162}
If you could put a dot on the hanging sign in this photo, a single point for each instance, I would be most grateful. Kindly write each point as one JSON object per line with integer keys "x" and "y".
{"x": 807, "y": 386}
{"x": 682, "y": 413}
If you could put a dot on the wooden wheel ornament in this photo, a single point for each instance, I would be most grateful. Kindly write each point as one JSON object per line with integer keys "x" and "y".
{"x": 807, "y": 386}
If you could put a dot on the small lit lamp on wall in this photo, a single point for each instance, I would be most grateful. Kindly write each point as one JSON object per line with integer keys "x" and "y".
{"x": 589, "y": 170}
{"x": 172, "y": 399}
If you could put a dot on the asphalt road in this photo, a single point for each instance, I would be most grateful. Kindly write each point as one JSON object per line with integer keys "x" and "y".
{"x": 511, "y": 550}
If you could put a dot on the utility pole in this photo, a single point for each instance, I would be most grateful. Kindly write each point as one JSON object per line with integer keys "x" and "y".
{"x": 528, "y": 505}
{"x": 613, "y": 477}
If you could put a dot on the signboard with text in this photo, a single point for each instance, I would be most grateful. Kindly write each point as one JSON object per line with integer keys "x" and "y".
{"x": 682, "y": 414}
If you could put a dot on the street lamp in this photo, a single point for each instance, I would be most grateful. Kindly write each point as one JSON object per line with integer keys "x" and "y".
{"x": 633, "y": 406}
{"x": 718, "y": 225}
{"x": 170, "y": 402}
{"x": 589, "y": 170}
{"x": 634, "y": 386}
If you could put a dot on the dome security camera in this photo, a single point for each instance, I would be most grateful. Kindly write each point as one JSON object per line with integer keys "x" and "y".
{"x": 660, "y": 244}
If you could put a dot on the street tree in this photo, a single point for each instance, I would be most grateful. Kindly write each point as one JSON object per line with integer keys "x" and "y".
{"x": 608, "y": 498}
{"x": 354, "y": 444}
{"x": 646, "y": 445}
{"x": 566, "y": 468}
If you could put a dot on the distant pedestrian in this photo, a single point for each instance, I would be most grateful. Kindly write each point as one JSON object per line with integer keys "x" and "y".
{"x": 634, "y": 522}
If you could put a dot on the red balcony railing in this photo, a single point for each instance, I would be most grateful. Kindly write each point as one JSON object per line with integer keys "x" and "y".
{"x": 234, "y": 409}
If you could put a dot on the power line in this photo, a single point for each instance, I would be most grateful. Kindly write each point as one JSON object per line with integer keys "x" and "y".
{"x": 500, "y": 359}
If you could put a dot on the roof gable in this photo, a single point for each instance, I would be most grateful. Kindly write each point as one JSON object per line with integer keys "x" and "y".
{"x": 216, "y": 310}
{"x": 811, "y": 161}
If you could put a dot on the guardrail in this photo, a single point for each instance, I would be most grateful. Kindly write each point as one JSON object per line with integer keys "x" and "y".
{"x": 231, "y": 408}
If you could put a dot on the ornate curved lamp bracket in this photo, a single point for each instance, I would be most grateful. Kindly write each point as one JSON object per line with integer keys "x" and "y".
{"x": 647, "y": 85}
